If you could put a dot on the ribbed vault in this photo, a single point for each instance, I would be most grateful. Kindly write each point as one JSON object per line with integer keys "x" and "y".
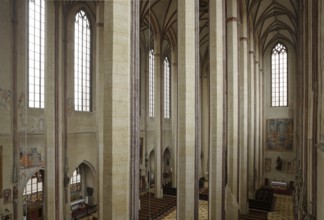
{"x": 159, "y": 18}
{"x": 274, "y": 20}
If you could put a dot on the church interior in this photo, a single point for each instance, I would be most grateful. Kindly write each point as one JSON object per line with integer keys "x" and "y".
{"x": 161, "y": 109}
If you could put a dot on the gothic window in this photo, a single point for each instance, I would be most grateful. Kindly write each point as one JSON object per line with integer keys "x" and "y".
{"x": 279, "y": 82}
{"x": 36, "y": 48}
{"x": 166, "y": 88}
{"x": 151, "y": 83}
{"x": 82, "y": 77}
{"x": 33, "y": 191}
{"x": 75, "y": 185}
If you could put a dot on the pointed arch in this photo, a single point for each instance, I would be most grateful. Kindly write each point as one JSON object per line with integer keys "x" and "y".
{"x": 167, "y": 90}
{"x": 279, "y": 75}
{"x": 151, "y": 83}
{"x": 82, "y": 62}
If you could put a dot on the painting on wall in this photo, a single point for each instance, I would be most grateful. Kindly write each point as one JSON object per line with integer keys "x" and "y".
{"x": 31, "y": 157}
{"x": 279, "y": 134}
{"x": 267, "y": 165}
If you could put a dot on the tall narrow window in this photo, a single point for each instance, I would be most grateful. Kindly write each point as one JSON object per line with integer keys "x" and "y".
{"x": 166, "y": 88}
{"x": 279, "y": 81}
{"x": 151, "y": 83}
{"x": 82, "y": 96}
{"x": 75, "y": 185}
{"x": 36, "y": 48}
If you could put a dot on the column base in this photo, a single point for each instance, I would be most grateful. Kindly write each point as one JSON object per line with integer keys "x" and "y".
{"x": 231, "y": 205}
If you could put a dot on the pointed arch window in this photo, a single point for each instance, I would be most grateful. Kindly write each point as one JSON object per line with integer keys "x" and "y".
{"x": 36, "y": 51}
{"x": 279, "y": 77}
{"x": 75, "y": 185}
{"x": 151, "y": 83}
{"x": 166, "y": 88}
{"x": 33, "y": 191}
{"x": 82, "y": 75}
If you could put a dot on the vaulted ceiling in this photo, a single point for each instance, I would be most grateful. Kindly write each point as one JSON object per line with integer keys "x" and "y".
{"x": 274, "y": 20}
{"x": 271, "y": 21}
{"x": 159, "y": 18}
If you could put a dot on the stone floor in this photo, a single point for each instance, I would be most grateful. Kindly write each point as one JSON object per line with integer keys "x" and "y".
{"x": 203, "y": 212}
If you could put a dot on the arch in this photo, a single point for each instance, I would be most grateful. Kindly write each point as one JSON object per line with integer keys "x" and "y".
{"x": 279, "y": 75}
{"x": 75, "y": 7}
{"x": 168, "y": 148}
{"x": 166, "y": 88}
{"x": 279, "y": 39}
{"x": 84, "y": 178}
{"x": 33, "y": 194}
{"x": 29, "y": 175}
{"x": 82, "y": 77}
{"x": 149, "y": 21}
{"x": 167, "y": 166}
{"x": 151, "y": 165}
{"x": 93, "y": 170}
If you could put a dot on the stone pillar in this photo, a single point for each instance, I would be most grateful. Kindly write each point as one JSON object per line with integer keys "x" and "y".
{"x": 100, "y": 102}
{"x": 257, "y": 118}
{"x": 186, "y": 181}
{"x": 116, "y": 110}
{"x": 157, "y": 117}
{"x": 203, "y": 154}
{"x": 251, "y": 103}
{"x": 174, "y": 114}
{"x": 232, "y": 205}
{"x": 53, "y": 112}
{"x": 261, "y": 122}
{"x": 243, "y": 91}
{"x": 134, "y": 204}
{"x": 9, "y": 80}
{"x": 216, "y": 90}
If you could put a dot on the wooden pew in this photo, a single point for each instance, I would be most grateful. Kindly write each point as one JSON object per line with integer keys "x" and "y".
{"x": 152, "y": 207}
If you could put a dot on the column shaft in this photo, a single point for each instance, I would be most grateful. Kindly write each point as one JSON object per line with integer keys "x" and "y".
{"x": 217, "y": 72}
{"x": 257, "y": 120}
{"x": 53, "y": 112}
{"x": 251, "y": 103}
{"x": 158, "y": 118}
{"x": 186, "y": 182}
{"x": 174, "y": 117}
{"x": 116, "y": 128}
{"x": 100, "y": 101}
{"x": 243, "y": 144}
{"x": 232, "y": 206}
